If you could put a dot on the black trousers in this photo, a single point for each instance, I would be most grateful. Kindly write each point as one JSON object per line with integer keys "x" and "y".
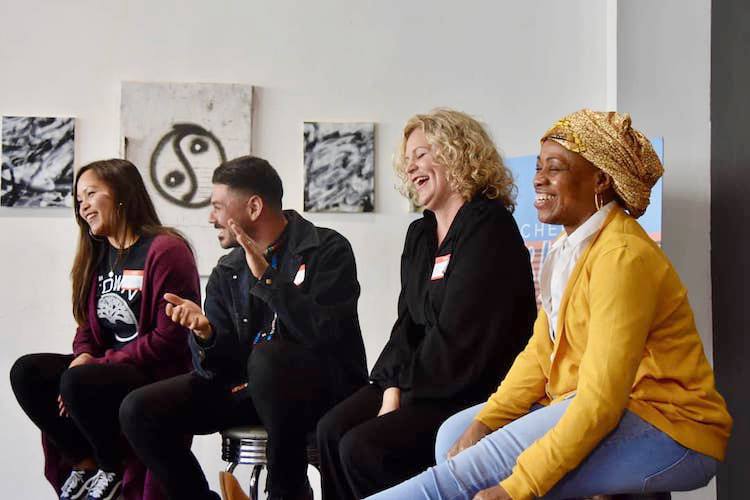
{"x": 362, "y": 454}
{"x": 288, "y": 392}
{"x": 92, "y": 393}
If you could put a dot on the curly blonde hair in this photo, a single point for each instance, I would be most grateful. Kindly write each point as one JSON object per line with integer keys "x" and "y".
{"x": 460, "y": 144}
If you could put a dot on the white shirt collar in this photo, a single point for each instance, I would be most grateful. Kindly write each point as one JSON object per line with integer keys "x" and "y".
{"x": 588, "y": 228}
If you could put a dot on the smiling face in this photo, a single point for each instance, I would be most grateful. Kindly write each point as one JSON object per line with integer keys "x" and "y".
{"x": 96, "y": 204}
{"x": 565, "y": 183}
{"x": 427, "y": 177}
{"x": 226, "y": 204}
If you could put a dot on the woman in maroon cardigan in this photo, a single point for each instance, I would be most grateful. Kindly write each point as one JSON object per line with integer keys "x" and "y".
{"x": 126, "y": 261}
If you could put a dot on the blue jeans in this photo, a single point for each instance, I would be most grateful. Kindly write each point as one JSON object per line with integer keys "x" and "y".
{"x": 634, "y": 458}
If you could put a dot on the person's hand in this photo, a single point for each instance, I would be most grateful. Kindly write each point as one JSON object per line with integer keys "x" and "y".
{"x": 471, "y": 436}
{"x": 188, "y": 314}
{"x": 391, "y": 400}
{"x": 253, "y": 253}
{"x": 81, "y": 359}
{"x": 494, "y": 493}
{"x": 61, "y": 407}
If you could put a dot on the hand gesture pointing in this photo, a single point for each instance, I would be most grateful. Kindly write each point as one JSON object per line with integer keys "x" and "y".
{"x": 188, "y": 314}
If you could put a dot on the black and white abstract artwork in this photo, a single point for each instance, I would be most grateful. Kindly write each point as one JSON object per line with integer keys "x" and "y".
{"x": 339, "y": 167}
{"x": 177, "y": 134}
{"x": 37, "y": 161}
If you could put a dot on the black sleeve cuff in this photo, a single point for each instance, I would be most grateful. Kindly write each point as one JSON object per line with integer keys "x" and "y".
{"x": 265, "y": 284}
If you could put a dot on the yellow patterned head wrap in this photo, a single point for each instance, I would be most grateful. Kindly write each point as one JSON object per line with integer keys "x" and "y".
{"x": 607, "y": 140}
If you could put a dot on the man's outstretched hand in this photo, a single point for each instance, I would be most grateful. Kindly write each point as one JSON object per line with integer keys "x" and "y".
{"x": 188, "y": 314}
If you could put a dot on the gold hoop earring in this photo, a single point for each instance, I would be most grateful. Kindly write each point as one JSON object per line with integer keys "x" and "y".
{"x": 599, "y": 203}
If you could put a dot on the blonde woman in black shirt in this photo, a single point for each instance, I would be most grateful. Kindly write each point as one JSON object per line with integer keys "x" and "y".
{"x": 465, "y": 310}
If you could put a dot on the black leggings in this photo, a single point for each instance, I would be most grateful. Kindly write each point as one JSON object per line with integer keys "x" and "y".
{"x": 92, "y": 394}
{"x": 362, "y": 454}
{"x": 287, "y": 393}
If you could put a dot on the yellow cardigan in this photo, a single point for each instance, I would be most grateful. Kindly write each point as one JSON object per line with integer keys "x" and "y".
{"x": 625, "y": 338}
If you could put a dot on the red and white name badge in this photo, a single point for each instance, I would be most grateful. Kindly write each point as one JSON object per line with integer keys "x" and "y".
{"x": 300, "y": 276}
{"x": 131, "y": 280}
{"x": 441, "y": 264}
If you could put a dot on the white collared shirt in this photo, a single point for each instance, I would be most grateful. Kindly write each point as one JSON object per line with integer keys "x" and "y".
{"x": 561, "y": 260}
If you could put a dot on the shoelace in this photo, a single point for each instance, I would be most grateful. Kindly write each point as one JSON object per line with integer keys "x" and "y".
{"x": 76, "y": 477}
{"x": 101, "y": 481}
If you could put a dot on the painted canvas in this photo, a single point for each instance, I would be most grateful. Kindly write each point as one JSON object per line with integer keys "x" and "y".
{"x": 339, "y": 167}
{"x": 177, "y": 134}
{"x": 37, "y": 161}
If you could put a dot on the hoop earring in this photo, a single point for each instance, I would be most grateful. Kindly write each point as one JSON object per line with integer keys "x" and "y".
{"x": 598, "y": 202}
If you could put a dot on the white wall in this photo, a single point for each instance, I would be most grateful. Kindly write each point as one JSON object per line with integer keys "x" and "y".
{"x": 664, "y": 73}
{"x": 516, "y": 65}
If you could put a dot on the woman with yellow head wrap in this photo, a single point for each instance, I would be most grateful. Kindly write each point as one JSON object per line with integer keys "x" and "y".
{"x": 613, "y": 393}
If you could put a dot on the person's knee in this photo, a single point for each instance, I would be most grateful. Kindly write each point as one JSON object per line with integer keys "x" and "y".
{"x": 22, "y": 372}
{"x": 134, "y": 411}
{"x": 358, "y": 449}
{"x": 74, "y": 386}
{"x": 348, "y": 449}
{"x": 451, "y": 431}
{"x": 330, "y": 428}
{"x": 446, "y": 437}
{"x": 266, "y": 366}
{"x": 266, "y": 358}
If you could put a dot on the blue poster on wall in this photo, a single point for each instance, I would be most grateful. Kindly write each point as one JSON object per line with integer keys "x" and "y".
{"x": 539, "y": 236}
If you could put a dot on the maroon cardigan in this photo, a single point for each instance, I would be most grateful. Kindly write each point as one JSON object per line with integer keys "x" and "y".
{"x": 161, "y": 348}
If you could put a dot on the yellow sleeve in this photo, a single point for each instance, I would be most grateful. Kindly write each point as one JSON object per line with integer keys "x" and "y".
{"x": 524, "y": 383}
{"x": 623, "y": 294}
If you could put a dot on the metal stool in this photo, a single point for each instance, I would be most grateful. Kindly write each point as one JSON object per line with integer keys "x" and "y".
{"x": 247, "y": 445}
{"x": 632, "y": 496}
{"x": 644, "y": 496}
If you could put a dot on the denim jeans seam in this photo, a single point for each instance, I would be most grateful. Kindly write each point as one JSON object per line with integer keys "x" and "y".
{"x": 665, "y": 469}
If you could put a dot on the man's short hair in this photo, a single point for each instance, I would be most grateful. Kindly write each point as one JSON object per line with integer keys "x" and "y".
{"x": 251, "y": 175}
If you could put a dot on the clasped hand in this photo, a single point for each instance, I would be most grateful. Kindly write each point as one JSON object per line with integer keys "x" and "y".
{"x": 494, "y": 493}
{"x": 476, "y": 431}
{"x": 81, "y": 359}
{"x": 391, "y": 401}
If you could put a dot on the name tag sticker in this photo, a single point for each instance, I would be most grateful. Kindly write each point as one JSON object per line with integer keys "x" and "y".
{"x": 131, "y": 280}
{"x": 441, "y": 264}
{"x": 300, "y": 276}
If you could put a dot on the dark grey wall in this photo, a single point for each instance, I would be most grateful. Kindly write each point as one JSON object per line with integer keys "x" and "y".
{"x": 730, "y": 230}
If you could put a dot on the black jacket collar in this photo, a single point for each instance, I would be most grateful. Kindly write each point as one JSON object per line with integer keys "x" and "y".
{"x": 467, "y": 216}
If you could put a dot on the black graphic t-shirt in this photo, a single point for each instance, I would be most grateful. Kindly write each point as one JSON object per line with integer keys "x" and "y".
{"x": 118, "y": 291}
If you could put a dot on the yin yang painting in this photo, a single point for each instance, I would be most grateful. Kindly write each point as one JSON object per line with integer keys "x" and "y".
{"x": 177, "y": 134}
{"x": 187, "y": 182}
{"x": 339, "y": 167}
{"x": 37, "y": 161}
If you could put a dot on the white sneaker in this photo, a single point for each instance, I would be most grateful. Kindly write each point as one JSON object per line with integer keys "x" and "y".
{"x": 77, "y": 484}
{"x": 105, "y": 486}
